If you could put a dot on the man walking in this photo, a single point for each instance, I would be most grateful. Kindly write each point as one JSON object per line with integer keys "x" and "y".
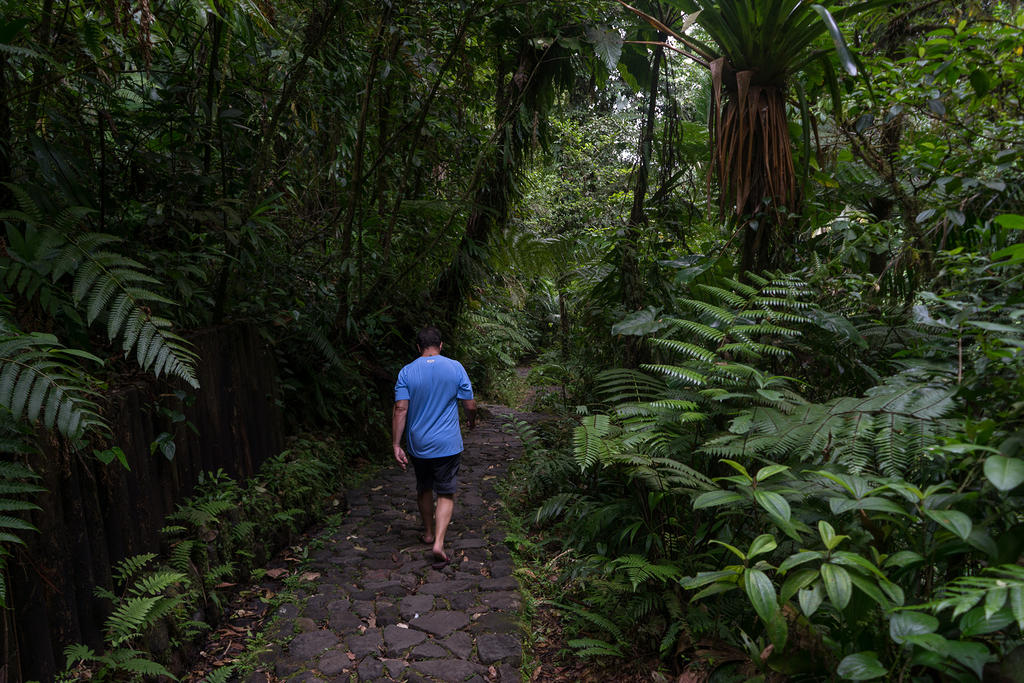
{"x": 427, "y": 412}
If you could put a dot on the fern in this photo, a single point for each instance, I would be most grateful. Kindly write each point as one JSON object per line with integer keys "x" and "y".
{"x": 39, "y": 384}
{"x": 886, "y": 431}
{"x": 105, "y": 284}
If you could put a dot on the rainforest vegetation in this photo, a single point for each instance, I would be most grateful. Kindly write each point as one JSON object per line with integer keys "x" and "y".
{"x": 766, "y": 254}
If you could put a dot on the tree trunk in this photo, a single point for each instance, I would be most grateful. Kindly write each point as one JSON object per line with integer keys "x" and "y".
{"x": 629, "y": 266}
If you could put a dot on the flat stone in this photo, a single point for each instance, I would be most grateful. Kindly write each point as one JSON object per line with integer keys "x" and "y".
{"x": 448, "y": 669}
{"x": 258, "y": 677}
{"x": 305, "y": 677}
{"x": 387, "y": 614}
{"x": 316, "y": 606}
{"x": 463, "y": 600}
{"x": 395, "y": 667}
{"x": 463, "y": 543}
{"x": 287, "y": 611}
{"x": 501, "y": 600}
{"x": 412, "y": 605}
{"x": 500, "y": 568}
{"x": 366, "y": 644}
{"x": 363, "y": 608}
{"x": 308, "y": 645}
{"x": 334, "y": 662}
{"x": 504, "y": 583}
{"x": 509, "y": 674}
{"x": 460, "y": 643}
{"x": 494, "y": 647}
{"x": 286, "y": 667}
{"x": 401, "y": 639}
{"x": 393, "y": 588}
{"x": 370, "y": 669}
{"x": 344, "y": 621}
{"x": 495, "y": 622}
{"x": 305, "y": 625}
{"x": 443, "y": 587}
{"x": 429, "y": 650}
{"x": 441, "y": 622}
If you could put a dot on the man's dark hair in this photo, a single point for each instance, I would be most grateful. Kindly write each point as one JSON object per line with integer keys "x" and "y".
{"x": 429, "y": 336}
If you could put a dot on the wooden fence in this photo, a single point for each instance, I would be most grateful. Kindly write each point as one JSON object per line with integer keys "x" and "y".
{"x": 95, "y": 515}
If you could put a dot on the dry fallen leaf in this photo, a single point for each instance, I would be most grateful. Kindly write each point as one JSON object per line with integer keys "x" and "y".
{"x": 351, "y": 657}
{"x": 225, "y": 584}
{"x": 276, "y": 573}
{"x": 309, "y": 576}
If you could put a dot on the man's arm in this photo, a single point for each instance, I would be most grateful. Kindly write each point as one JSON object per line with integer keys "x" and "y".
{"x": 470, "y": 406}
{"x": 397, "y": 429}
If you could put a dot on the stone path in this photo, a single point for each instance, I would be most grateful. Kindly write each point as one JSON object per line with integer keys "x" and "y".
{"x": 379, "y": 612}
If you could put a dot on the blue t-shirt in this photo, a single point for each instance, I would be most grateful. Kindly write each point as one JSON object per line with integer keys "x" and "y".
{"x": 433, "y": 385}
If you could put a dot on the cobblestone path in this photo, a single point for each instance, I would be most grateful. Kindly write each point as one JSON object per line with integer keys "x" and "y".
{"x": 379, "y": 612}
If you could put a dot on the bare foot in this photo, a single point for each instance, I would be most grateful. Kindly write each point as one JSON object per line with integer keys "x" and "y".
{"x": 427, "y": 539}
{"x": 440, "y": 558}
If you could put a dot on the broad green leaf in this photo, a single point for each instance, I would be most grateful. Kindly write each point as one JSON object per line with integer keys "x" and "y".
{"x": 1017, "y": 605}
{"x": 765, "y": 543}
{"x": 906, "y": 623}
{"x": 761, "y": 593}
{"x": 974, "y": 656}
{"x": 1004, "y": 473}
{"x": 715, "y": 498}
{"x": 828, "y": 535}
{"x": 769, "y": 471}
{"x": 845, "y": 58}
{"x": 1010, "y": 220}
{"x": 736, "y": 551}
{"x": 903, "y": 558}
{"x": 802, "y": 578}
{"x": 994, "y": 600}
{"x": 981, "y": 82}
{"x": 975, "y": 622}
{"x": 810, "y": 598}
{"x": 837, "y": 585}
{"x": 952, "y": 520}
{"x": 607, "y": 45}
{"x": 774, "y": 503}
{"x": 738, "y": 467}
{"x": 863, "y": 666}
{"x": 800, "y": 558}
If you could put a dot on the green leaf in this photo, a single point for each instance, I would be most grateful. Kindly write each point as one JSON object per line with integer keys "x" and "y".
{"x": 810, "y": 598}
{"x": 845, "y": 58}
{"x": 975, "y": 622}
{"x": 906, "y": 623}
{"x": 903, "y": 558}
{"x": 769, "y": 471}
{"x": 765, "y": 543}
{"x": 715, "y": 498}
{"x": 801, "y": 578}
{"x": 863, "y": 666}
{"x": 1004, "y": 473}
{"x": 828, "y": 535}
{"x": 952, "y": 520}
{"x": 981, "y": 82}
{"x": 607, "y": 45}
{"x": 1010, "y": 220}
{"x": 774, "y": 503}
{"x": 837, "y": 585}
{"x": 761, "y": 594}
{"x": 799, "y": 558}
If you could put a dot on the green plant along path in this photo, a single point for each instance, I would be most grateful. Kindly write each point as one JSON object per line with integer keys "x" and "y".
{"x": 377, "y": 609}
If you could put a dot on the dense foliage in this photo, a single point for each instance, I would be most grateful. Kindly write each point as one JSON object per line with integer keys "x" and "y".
{"x": 813, "y": 472}
{"x": 769, "y": 251}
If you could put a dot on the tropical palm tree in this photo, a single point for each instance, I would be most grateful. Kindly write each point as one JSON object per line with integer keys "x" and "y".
{"x": 758, "y": 47}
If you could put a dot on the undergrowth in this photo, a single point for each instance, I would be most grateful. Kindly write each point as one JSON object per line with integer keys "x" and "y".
{"x": 217, "y": 538}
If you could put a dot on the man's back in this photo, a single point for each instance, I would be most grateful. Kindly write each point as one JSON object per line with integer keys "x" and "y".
{"x": 433, "y": 385}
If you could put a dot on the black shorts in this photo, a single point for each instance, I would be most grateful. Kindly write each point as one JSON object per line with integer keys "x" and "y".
{"x": 438, "y": 474}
